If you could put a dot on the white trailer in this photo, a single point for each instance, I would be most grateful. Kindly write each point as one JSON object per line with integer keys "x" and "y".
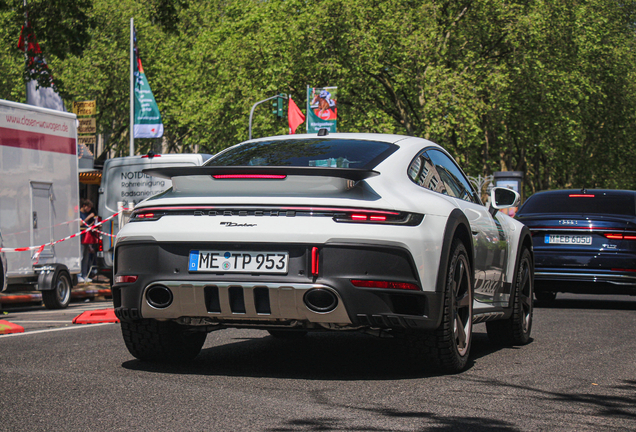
{"x": 39, "y": 201}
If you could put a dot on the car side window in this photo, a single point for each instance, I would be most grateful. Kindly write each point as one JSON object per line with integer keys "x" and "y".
{"x": 423, "y": 172}
{"x": 434, "y": 170}
{"x": 456, "y": 183}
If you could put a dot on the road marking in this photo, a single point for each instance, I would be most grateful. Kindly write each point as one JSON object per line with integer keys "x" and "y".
{"x": 40, "y": 322}
{"x": 72, "y": 327}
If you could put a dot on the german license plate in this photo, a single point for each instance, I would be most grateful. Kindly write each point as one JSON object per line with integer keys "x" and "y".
{"x": 568, "y": 239}
{"x": 238, "y": 262}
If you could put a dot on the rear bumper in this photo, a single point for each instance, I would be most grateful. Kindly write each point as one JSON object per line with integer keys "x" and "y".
{"x": 267, "y": 301}
{"x": 585, "y": 282}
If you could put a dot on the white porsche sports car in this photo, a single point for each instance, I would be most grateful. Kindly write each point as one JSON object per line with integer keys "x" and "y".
{"x": 330, "y": 232}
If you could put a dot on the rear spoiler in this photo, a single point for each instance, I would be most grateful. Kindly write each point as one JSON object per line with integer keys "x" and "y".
{"x": 354, "y": 174}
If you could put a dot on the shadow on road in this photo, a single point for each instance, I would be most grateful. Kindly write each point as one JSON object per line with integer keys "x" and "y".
{"x": 322, "y": 356}
{"x": 589, "y": 302}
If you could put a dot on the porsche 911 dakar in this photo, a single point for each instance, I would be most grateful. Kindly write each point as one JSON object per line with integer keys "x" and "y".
{"x": 372, "y": 233}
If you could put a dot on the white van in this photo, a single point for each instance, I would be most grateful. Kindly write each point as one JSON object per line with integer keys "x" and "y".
{"x": 123, "y": 186}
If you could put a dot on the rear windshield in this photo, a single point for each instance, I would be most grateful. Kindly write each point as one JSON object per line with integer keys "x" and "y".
{"x": 589, "y": 203}
{"x": 315, "y": 152}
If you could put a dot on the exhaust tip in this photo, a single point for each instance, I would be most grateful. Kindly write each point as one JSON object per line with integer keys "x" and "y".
{"x": 159, "y": 296}
{"x": 321, "y": 300}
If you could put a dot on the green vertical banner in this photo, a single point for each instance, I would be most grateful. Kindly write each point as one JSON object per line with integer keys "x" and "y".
{"x": 147, "y": 122}
{"x": 322, "y": 109}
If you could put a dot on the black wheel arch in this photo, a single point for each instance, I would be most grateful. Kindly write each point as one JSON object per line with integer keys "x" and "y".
{"x": 457, "y": 226}
{"x": 525, "y": 242}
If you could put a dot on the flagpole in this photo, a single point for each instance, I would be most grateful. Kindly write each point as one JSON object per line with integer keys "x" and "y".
{"x": 132, "y": 89}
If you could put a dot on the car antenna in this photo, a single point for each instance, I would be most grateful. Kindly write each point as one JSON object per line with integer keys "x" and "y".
{"x": 583, "y": 191}
{"x": 323, "y": 132}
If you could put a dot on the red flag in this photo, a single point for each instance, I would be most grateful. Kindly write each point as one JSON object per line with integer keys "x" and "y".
{"x": 295, "y": 116}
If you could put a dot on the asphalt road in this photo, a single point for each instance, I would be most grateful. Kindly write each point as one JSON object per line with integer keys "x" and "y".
{"x": 578, "y": 374}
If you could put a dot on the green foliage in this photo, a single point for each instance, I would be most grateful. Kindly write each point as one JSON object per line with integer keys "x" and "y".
{"x": 545, "y": 87}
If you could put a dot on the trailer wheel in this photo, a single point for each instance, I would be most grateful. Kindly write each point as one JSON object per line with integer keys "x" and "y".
{"x": 60, "y": 296}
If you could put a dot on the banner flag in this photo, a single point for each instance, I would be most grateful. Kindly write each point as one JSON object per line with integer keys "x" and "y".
{"x": 322, "y": 110}
{"x": 37, "y": 95}
{"x": 147, "y": 118}
{"x": 295, "y": 116}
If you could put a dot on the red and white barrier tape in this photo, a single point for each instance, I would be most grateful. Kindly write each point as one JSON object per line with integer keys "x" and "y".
{"x": 41, "y": 247}
{"x": 98, "y": 231}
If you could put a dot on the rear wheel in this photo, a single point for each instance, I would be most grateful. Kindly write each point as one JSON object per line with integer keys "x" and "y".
{"x": 60, "y": 296}
{"x": 516, "y": 329}
{"x": 161, "y": 341}
{"x": 448, "y": 347}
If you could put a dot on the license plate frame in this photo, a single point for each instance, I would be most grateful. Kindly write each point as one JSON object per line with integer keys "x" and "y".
{"x": 568, "y": 239}
{"x": 232, "y": 261}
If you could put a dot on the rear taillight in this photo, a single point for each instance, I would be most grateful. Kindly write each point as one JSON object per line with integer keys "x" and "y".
{"x": 581, "y": 196}
{"x": 379, "y": 217}
{"x": 613, "y": 236}
{"x": 384, "y": 284}
{"x": 145, "y": 216}
{"x": 125, "y": 279}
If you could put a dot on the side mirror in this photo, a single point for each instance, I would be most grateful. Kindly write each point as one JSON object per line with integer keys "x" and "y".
{"x": 502, "y": 198}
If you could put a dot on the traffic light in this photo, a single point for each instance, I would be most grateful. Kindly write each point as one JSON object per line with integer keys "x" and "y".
{"x": 277, "y": 107}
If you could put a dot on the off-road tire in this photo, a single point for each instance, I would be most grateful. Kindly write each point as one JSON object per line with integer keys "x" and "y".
{"x": 516, "y": 329}
{"x": 287, "y": 334}
{"x": 60, "y": 296}
{"x": 161, "y": 341}
{"x": 448, "y": 347}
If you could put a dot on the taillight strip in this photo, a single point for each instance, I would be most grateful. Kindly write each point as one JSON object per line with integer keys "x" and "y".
{"x": 250, "y": 176}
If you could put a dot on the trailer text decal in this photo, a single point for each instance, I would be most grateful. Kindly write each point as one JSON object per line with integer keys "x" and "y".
{"x": 32, "y": 122}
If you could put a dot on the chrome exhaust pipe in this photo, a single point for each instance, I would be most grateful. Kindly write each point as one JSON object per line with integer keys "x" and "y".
{"x": 321, "y": 300}
{"x": 159, "y": 296}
